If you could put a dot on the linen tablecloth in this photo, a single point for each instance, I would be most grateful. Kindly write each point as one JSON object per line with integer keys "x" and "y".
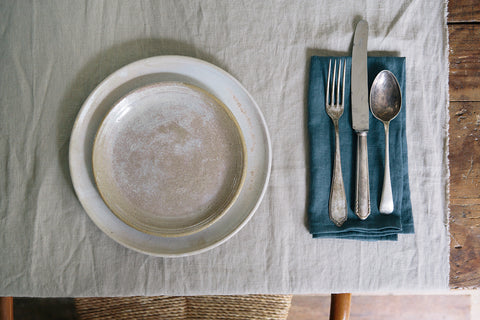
{"x": 54, "y": 53}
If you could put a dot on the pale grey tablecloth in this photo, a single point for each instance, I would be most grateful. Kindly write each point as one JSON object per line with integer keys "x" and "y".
{"x": 54, "y": 53}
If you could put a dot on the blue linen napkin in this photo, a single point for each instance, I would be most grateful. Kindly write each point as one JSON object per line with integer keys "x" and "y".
{"x": 322, "y": 146}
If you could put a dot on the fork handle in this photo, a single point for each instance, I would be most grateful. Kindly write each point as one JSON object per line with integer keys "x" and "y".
{"x": 362, "y": 201}
{"x": 337, "y": 208}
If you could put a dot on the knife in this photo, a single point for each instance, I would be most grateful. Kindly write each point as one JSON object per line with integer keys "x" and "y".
{"x": 360, "y": 110}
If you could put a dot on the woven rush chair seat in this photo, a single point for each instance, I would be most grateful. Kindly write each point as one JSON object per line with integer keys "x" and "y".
{"x": 185, "y": 307}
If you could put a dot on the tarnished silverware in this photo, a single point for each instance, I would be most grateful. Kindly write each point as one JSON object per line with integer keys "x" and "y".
{"x": 337, "y": 208}
{"x": 360, "y": 117}
{"x": 385, "y": 104}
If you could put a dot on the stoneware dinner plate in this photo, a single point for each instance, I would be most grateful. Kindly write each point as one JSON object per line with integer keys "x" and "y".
{"x": 248, "y": 133}
{"x": 169, "y": 159}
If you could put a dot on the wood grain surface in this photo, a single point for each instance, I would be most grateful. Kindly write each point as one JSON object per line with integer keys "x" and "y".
{"x": 392, "y": 307}
{"x": 464, "y": 62}
{"x": 462, "y": 11}
{"x": 464, "y": 143}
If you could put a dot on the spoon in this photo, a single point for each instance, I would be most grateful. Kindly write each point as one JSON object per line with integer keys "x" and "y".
{"x": 385, "y": 104}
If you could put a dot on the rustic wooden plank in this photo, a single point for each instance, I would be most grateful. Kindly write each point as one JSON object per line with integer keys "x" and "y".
{"x": 464, "y": 155}
{"x": 464, "y": 62}
{"x": 464, "y": 143}
{"x": 465, "y": 246}
{"x": 463, "y": 11}
{"x": 425, "y": 307}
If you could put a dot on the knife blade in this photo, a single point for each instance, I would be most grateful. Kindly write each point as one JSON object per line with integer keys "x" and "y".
{"x": 360, "y": 113}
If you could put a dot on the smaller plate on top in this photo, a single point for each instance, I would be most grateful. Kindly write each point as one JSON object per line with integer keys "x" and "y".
{"x": 169, "y": 159}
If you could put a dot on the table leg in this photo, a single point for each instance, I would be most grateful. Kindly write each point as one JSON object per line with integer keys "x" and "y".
{"x": 6, "y": 308}
{"x": 340, "y": 306}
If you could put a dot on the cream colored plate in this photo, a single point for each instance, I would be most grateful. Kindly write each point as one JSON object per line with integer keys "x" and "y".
{"x": 169, "y": 159}
{"x": 202, "y": 75}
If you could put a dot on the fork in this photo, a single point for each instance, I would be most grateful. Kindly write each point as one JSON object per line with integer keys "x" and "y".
{"x": 337, "y": 208}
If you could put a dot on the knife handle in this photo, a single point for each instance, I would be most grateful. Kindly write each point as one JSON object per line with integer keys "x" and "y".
{"x": 362, "y": 201}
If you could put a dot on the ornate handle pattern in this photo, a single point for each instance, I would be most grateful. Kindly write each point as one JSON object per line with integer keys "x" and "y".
{"x": 337, "y": 208}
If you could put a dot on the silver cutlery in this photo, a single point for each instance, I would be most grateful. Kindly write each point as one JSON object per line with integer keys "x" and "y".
{"x": 334, "y": 105}
{"x": 360, "y": 113}
{"x": 385, "y": 103}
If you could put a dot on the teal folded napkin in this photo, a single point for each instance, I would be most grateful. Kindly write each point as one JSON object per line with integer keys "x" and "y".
{"x": 322, "y": 146}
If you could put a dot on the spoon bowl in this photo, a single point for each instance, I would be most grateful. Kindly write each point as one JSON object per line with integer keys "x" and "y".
{"x": 385, "y": 104}
{"x": 385, "y": 96}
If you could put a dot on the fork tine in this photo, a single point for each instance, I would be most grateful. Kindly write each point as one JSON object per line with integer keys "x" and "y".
{"x": 338, "y": 82}
{"x": 328, "y": 82}
{"x": 343, "y": 85}
{"x": 332, "y": 101}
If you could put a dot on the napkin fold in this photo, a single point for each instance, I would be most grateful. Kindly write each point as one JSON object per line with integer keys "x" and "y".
{"x": 322, "y": 146}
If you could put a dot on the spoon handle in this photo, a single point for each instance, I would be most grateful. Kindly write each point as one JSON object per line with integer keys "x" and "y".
{"x": 386, "y": 203}
{"x": 337, "y": 207}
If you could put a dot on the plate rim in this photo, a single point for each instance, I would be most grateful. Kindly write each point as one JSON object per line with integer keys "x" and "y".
{"x": 170, "y": 59}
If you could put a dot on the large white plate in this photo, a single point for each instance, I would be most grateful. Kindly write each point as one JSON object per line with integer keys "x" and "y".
{"x": 209, "y": 78}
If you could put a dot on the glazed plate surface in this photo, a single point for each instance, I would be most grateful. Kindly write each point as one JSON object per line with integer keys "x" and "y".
{"x": 169, "y": 159}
